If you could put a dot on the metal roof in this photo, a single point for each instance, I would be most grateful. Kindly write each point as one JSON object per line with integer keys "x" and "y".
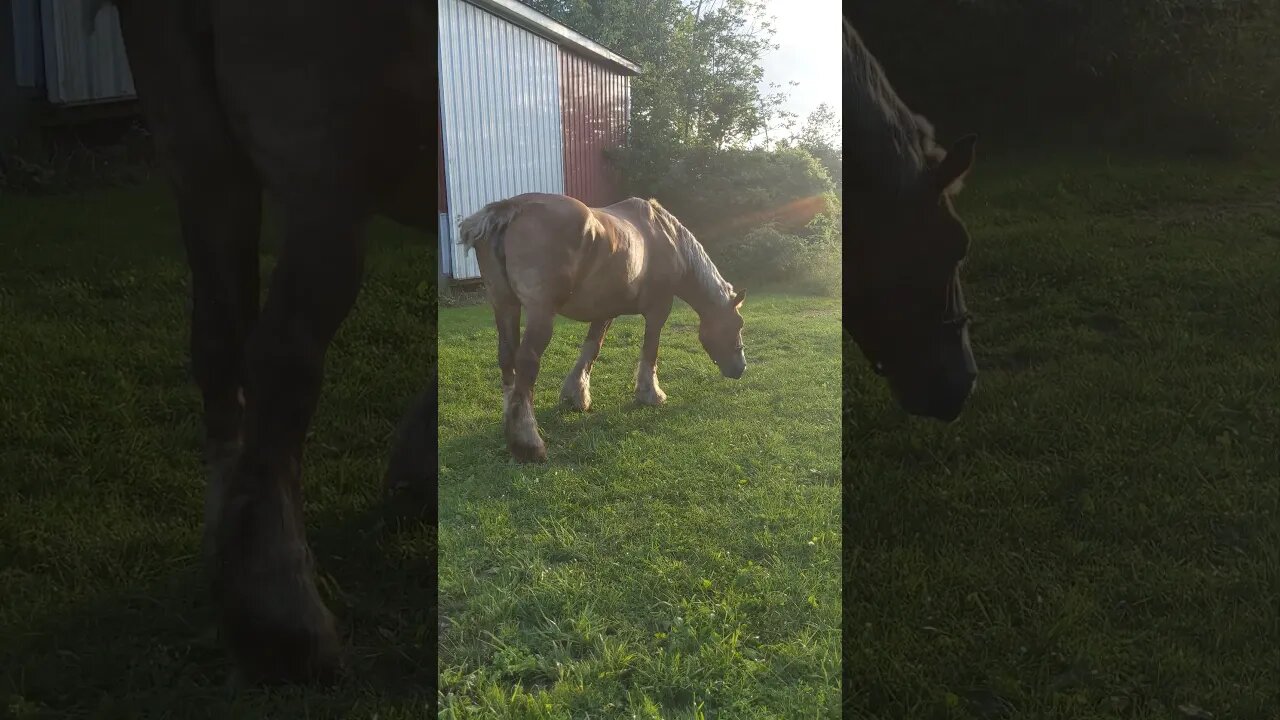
{"x": 535, "y": 22}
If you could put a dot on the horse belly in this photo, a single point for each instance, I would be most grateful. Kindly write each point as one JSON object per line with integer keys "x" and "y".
{"x": 609, "y": 287}
{"x": 601, "y": 297}
{"x": 585, "y": 307}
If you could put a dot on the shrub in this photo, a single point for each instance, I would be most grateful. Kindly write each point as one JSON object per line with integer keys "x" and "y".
{"x": 720, "y": 193}
{"x": 766, "y": 256}
{"x": 766, "y": 217}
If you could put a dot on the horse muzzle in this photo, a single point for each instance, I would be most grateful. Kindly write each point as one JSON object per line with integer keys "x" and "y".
{"x": 733, "y": 369}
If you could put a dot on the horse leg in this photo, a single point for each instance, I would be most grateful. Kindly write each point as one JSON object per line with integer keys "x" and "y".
{"x": 507, "y": 317}
{"x": 520, "y": 424}
{"x": 647, "y": 390}
{"x": 276, "y": 624}
{"x": 576, "y": 392}
{"x": 413, "y": 459}
{"x": 220, "y": 214}
{"x": 219, "y": 198}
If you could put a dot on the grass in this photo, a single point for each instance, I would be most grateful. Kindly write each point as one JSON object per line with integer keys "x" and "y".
{"x": 1097, "y": 536}
{"x": 103, "y": 610}
{"x": 673, "y": 562}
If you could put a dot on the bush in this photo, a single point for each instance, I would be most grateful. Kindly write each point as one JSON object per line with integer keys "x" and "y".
{"x": 721, "y": 193}
{"x": 766, "y": 256}
{"x": 766, "y": 217}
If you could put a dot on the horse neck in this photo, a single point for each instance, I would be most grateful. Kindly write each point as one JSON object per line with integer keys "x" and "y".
{"x": 701, "y": 284}
{"x": 887, "y": 150}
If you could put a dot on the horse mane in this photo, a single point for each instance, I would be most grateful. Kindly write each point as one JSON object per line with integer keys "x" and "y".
{"x": 893, "y": 146}
{"x": 697, "y": 264}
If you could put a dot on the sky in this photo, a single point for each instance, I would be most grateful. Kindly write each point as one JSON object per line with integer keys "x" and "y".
{"x": 808, "y": 39}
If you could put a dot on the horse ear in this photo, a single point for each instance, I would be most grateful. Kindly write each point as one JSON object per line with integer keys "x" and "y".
{"x": 738, "y": 297}
{"x": 956, "y": 165}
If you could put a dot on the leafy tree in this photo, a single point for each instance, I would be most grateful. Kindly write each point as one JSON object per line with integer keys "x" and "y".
{"x": 820, "y": 137}
{"x": 702, "y": 65}
{"x": 767, "y": 213}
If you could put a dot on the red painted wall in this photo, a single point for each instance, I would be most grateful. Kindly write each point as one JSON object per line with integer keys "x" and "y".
{"x": 594, "y": 103}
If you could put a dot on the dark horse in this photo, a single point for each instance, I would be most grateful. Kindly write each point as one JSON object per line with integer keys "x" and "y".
{"x": 550, "y": 254}
{"x": 903, "y": 303}
{"x": 325, "y": 105}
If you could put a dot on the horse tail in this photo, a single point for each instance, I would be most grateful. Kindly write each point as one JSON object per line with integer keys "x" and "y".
{"x": 489, "y": 224}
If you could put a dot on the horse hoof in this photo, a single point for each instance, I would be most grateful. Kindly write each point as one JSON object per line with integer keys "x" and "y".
{"x": 528, "y": 453}
{"x": 413, "y": 459}
{"x": 273, "y": 620}
{"x": 581, "y": 403}
{"x": 283, "y": 634}
{"x": 652, "y": 400}
{"x": 269, "y": 652}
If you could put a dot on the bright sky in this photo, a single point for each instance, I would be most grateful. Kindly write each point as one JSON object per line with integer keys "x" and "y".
{"x": 808, "y": 39}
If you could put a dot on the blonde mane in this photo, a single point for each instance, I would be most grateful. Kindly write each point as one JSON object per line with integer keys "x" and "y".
{"x": 697, "y": 264}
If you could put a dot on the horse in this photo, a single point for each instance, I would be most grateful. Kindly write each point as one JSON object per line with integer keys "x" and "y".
{"x": 904, "y": 306}
{"x": 552, "y": 255}
{"x": 325, "y": 106}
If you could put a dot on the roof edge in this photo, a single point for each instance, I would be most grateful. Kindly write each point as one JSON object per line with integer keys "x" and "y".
{"x": 536, "y": 22}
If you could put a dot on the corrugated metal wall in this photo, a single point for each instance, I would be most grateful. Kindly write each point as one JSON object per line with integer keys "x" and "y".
{"x": 500, "y": 111}
{"x": 596, "y": 108}
{"x": 80, "y": 65}
{"x": 28, "y": 53}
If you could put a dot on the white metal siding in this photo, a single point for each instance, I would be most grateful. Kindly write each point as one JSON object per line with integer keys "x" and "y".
{"x": 446, "y": 243}
{"x": 27, "y": 54}
{"x": 500, "y": 111}
{"x": 84, "y": 56}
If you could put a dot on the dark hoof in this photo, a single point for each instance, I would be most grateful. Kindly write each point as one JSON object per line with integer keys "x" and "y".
{"x": 269, "y": 652}
{"x": 273, "y": 621}
{"x": 413, "y": 459}
{"x": 528, "y": 453}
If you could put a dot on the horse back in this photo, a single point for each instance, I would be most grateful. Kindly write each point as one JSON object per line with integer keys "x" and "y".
{"x": 588, "y": 263}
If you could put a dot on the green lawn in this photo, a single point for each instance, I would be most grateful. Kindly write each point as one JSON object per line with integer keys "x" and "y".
{"x": 103, "y": 610}
{"x": 672, "y": 562}
{"x": 1097, "y": 536}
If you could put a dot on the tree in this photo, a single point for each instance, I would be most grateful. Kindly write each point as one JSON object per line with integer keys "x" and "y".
{"x": 820, "y": 137}
{"x": 701, "y": 60}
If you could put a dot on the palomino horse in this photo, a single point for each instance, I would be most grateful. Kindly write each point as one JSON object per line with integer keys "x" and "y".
{"x": 550, "y": 254}
{"x": 904, "y": 305}
{"x": 325, "y": 106}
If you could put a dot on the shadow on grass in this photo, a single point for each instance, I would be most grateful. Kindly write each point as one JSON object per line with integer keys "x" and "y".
{"x": 155, "y": 652}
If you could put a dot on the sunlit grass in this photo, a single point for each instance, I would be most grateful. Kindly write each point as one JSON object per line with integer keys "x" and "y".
{"x": 672, "y": 562}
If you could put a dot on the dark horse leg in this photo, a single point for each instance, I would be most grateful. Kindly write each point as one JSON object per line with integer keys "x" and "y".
{"x": 270, "y": 612}
{"x": 413, "y": 459}
{"x": 219, "y": 200}
{"x": 243, "y": 95}
{"x": 271, "y": 615}
{"x": 647, "y": 390}
{"x": 576, "y": 392}
{"x": 521, "y": 425}
{"x": 276, "y": 624}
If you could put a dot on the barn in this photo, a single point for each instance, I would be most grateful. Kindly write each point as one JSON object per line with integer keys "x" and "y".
{"x": 526, "y": 105}
{"x": 61, "y": 61}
